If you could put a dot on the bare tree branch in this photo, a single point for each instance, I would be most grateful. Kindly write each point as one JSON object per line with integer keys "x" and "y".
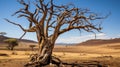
{"x": 25, "y": 30}
{"x": 49, "y": 21}
{"x": 22, "y": 36}
{"x": 15, "y": 24}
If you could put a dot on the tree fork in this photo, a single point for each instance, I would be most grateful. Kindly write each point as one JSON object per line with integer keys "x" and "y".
{"x": 49, "y": 21}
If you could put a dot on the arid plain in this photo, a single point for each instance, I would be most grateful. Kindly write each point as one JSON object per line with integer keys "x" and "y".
{"x": 106, "y": 54}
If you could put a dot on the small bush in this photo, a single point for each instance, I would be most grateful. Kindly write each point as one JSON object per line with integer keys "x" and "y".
{"x": 14, "y": 53}
{"x": 27, "y": 53}
{"x": 11, "y": 43}
{"x": 32, "y": 47}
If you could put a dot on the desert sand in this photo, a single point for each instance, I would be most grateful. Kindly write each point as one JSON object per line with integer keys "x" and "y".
{"x": 108, "y": 54}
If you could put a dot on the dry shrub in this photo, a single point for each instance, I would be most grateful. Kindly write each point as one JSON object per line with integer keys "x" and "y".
{"x": 14, "y": 53}
{"x": 27, "y": 53}
{"x": 106, "y": 57}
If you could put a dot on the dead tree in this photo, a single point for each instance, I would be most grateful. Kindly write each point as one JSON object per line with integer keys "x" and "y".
{"x": 49, "y": 21}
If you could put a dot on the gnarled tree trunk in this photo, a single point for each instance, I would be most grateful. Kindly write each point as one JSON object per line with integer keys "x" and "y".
{"x": 44, "y": 55}
{"x": 49, "y": 21}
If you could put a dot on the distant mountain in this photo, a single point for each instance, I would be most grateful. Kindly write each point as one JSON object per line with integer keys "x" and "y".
{"x": 69, "y": 44}
{"x": 100, "y": 41}
{"x": 2, "y": 38}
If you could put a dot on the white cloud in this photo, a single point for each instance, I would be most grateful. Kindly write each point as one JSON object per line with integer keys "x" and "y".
{"x": 118, "y": 35}
{"x": 101, "y": 36}
{"x": 78, "y": 39}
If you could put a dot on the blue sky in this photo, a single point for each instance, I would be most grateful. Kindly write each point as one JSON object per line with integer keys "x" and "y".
{"x": 111, "y": 25}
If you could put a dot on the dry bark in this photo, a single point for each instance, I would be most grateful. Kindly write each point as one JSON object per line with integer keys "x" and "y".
{"x": 49, "y": 21}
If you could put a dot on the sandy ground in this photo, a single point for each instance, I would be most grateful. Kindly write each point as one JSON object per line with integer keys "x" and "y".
{"x": 108, "y": 54}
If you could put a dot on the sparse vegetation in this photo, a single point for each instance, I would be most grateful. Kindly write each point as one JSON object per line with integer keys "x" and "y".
{"x": 49, "y": 26}
{"x": 107, "y": 56}
{"x": 11, "y": 43}
{"x": 32, "y": 47}
{"x": 14, "y": 53}
{"x": 27, "y": 53}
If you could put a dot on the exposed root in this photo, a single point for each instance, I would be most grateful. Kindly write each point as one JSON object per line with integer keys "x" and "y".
{"x": 34, "y": 62}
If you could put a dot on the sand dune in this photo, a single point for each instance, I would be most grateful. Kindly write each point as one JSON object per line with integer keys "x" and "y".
{"x": 106, "y": 53}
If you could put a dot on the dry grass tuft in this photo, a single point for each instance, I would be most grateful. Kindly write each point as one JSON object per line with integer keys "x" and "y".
{"x": 14, "y": 53}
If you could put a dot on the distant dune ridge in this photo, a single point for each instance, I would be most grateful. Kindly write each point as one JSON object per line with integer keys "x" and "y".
{"x": 88, "y": 42}
{"x": 100, "y": 41}
{"x": 2, "y": 38}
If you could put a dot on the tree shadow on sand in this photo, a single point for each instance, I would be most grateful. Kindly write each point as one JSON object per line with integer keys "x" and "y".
{"x": 56, "y": 62}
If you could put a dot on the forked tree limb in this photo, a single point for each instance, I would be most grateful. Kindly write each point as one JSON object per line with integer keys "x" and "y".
{"x": 22, "y": 36}
{"x": 15, "y": 24}
{"x": 74, "y": 17}
{"x": 25, "y": 30}
{"x": 49, "y": 21}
